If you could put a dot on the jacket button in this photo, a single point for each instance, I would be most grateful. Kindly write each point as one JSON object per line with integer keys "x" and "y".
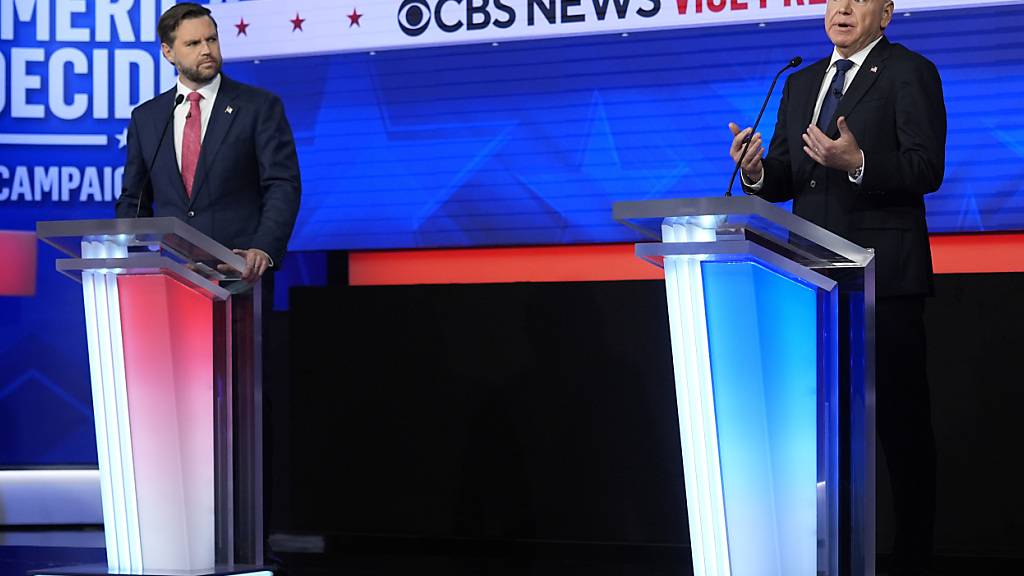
{"x": 813, "y": 184}
{"x": 191, "y": 214}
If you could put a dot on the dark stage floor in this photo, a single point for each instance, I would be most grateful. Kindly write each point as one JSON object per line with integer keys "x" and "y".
{"x": 306, "y": 555}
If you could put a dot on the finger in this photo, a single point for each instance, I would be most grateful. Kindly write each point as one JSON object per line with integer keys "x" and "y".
{"x": 816, "y": 138}
{"x": 819, "y": 145}
{"x": 740, "y": 137}
{"x": 808, "y": 141}
{"x": 734, "y": 128}
{"x": 752, "y": 160}
{"x": 819, "y": 137}
{"x": 252, "y": 263}
{"x": 843, "y": 128}
{"x": 753, "y": 152}
{"x": 754, "y": 167}
{"x": 814, "y": 155}
{"x": 742, "y": 147}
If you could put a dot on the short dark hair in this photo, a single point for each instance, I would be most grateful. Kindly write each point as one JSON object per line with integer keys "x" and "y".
{"x": 171, "y": 19}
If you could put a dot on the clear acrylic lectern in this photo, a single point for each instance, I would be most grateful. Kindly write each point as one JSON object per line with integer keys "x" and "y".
{"x": 175, "y": 366}
{"x": 772, "y": 329}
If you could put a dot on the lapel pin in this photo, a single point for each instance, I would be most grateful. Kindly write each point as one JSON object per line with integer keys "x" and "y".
{"x": 229, "y": 109}
{"x": 874, "y": 69}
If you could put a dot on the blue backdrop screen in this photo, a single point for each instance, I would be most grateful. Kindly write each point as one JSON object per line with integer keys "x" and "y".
{"x": 531, "y": 142}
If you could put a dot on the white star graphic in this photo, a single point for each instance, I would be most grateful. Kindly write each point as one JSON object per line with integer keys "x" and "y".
{"x": 122, "y": 138}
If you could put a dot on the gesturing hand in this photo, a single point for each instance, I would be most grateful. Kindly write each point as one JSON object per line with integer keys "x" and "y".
{"x": 841, "y": 154}
{"x": 751, "y": 164}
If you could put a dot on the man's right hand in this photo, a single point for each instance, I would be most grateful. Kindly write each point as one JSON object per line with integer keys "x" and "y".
{"x": 751, "y": 164}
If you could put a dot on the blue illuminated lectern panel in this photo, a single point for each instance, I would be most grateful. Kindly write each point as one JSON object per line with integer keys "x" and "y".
{"x": 765, "y": 348}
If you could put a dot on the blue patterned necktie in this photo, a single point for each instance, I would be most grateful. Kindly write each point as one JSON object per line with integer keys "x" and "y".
{"x": 834, "y": 94}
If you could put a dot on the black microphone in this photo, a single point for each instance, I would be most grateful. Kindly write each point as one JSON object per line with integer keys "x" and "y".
{"x": 152, "y": 159}
{"x": 792, "y": 64}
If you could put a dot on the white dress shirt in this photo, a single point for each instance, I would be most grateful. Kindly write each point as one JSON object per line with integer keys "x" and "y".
{"x": 858, "y": 61}
{"x": 209, "y": 92}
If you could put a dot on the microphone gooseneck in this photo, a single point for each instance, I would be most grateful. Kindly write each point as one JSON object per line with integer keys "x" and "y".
{"x": 149, "y": 166}
{"x": 796, "y": 61}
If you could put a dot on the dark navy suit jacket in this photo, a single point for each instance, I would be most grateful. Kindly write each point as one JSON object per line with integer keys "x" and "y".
{"x": 895, "y": 109}
{"x": 247, "y": 185}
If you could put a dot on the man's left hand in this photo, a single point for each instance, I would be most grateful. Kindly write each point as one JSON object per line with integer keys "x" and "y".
{"x": 256, "y": 263}
{"x": 841, "y": 154}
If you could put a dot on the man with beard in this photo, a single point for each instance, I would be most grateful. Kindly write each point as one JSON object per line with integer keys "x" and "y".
{"x": 231, "y": 170}
{"x": 860, "y": 139}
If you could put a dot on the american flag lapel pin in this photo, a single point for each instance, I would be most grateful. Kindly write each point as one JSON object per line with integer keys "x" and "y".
{"x": 229, "y": 109}
{"x": 874, "y": 69}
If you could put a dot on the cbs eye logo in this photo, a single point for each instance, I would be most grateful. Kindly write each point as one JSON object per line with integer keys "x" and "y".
{"x": 414, "y": 17}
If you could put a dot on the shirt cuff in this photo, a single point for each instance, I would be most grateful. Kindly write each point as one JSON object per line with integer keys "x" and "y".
{"x": 751, "y": 188}
{"x": 267, "y": 255}
{"x": 857, "y": 174}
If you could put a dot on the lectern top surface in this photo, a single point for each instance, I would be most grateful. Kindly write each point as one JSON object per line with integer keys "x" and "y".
{"x": 168, "y": 237}
{"x": 744, "y": 218}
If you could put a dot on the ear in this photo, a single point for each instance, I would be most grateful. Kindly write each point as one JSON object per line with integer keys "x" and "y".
{"x": 887, "y": 9}
{"x": 168, "y": 52}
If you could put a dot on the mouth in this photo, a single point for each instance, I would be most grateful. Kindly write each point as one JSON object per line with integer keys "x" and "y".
{"x": 842, "y": 26}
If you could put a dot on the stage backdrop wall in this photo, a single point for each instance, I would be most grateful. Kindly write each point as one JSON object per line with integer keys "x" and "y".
{"x": 481, "y": 135}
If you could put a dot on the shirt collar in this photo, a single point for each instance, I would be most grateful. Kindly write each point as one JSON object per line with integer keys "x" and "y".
{"x": 857, "y": 59}
{"x": 208, "y": 90}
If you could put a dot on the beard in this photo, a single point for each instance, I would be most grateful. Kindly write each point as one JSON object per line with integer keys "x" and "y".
{"x": 197, "y": 75}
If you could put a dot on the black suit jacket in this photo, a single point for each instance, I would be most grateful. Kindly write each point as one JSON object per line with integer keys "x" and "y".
{"x": 247, "y": 185}
{"x": 895, "y": 109}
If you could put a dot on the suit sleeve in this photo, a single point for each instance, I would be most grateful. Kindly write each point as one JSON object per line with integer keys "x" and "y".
{"x": 918, "y": 165}
{"x": 279, "y": 179}
{"x": 777, "y": 185}
{"x": 135, "y": 182}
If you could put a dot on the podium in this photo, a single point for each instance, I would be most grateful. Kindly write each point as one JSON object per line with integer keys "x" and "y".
{"x": 175, "y": 369}
{"x": 772, "y": 333}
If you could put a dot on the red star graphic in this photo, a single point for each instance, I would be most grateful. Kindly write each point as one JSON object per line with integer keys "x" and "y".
{"x": 297, "y": 23}
{"x": 353, "y": 19}
{"x": 242, "y": 25}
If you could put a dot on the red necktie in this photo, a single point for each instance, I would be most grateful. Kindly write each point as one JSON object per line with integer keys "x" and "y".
{"x": 191, "y": 141}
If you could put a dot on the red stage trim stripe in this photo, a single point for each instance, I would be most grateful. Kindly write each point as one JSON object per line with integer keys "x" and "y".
{"x": 579, "y": 263}
{"x": 978, "y": 253}
{"x": 18, "y": 250}
{"x": 951, "y": 254}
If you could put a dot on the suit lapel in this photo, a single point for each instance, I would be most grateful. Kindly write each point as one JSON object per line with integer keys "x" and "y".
{"x": 814, "y": 80}
{"x": 221, "y": 118}
{"x": 809, "y": 89}
{"x": 862, "y": 82}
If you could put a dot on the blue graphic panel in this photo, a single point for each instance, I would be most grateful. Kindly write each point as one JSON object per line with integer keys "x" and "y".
{"x": 532, "y": 142}
{"x": 762, "y": 334}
